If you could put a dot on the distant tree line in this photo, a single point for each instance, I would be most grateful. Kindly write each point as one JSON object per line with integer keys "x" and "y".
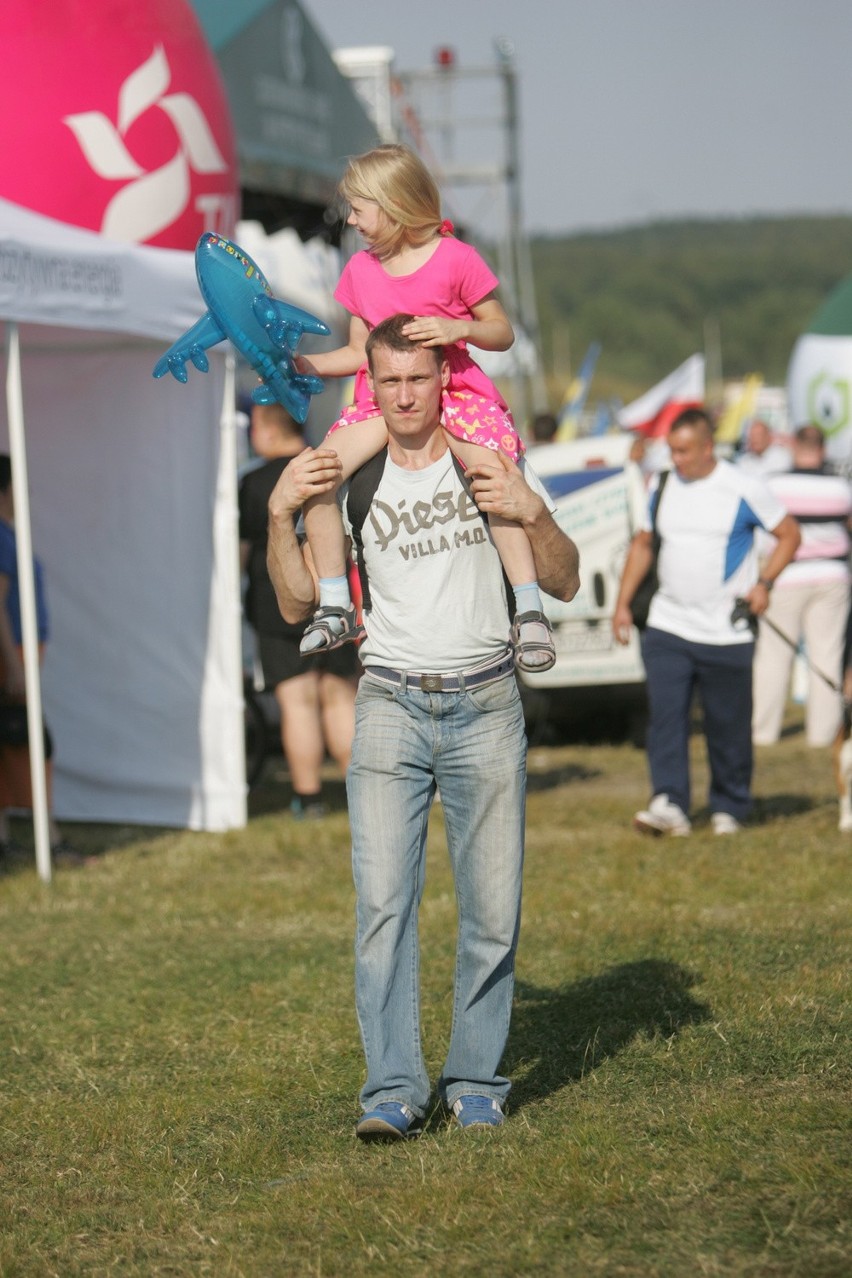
{"x": 650, "y": 295}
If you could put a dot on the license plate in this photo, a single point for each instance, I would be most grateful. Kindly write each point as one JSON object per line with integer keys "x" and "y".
{"x": 578, "y": 637}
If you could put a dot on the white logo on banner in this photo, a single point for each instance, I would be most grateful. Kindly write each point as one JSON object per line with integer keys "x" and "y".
{"x": 292, "y": 54}
{"x": 149, "y": 202}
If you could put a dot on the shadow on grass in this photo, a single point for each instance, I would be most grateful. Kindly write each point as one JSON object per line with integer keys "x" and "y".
{"x": 552, "y": 778}
{"x": 559, "y": 1035}
{"x": 273, "y": 791}
{"x": 772, "y": 807}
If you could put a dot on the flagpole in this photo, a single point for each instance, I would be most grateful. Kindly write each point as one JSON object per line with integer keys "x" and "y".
{"x": 713, "y": 365}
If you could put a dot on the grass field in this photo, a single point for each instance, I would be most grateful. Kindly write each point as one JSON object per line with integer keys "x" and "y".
{"x": 180, "y": 1058}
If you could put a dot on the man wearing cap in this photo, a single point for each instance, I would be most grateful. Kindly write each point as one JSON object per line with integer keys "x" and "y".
{"x": 438, "y": 707}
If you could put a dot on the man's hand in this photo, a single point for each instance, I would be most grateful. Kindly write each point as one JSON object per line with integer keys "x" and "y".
{"x": 622, "y": 623}
{"x": 499, "y": 488}
{"x": 757, "y": 599}
{"x": 309, "y": 474}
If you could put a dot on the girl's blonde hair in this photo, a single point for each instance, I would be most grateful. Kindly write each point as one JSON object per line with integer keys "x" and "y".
{"x": 396, "y": 179}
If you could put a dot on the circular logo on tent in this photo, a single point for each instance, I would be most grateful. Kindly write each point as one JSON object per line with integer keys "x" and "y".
{"x": 115, "y": 118}
{"x": 828, "y": 403}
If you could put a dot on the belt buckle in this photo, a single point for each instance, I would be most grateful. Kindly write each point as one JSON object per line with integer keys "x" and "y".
{"x": 431, "y": 683}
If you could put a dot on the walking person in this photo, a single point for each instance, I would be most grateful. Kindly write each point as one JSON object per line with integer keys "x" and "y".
{"x": 315, "y": 695}
{"x": 700, "y": 631}
{"x": 810, "y": 601}
{"x": 437, "y": 706}
{"x": 15, "y": 764}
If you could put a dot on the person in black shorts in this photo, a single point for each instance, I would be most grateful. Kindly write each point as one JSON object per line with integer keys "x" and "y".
{"x": 315, "y": 695}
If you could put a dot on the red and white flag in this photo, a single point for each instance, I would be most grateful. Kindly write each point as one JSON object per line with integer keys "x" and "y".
{"x": 652, "y": 414}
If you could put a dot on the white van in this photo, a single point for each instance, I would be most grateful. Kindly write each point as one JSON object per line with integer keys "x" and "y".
{"x": 599, "y": 495}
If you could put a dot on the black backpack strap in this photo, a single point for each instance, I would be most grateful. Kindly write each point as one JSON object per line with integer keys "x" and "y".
{"x": 656, "y": 538}
{"x": 362, "y": 490}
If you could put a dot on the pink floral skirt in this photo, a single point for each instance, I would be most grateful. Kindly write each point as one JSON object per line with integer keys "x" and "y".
{"x": 468, "y": 417}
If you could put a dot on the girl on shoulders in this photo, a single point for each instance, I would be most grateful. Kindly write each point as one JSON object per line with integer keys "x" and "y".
{"x": 414, "y": 265}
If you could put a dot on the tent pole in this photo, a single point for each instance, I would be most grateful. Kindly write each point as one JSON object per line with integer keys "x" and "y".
{"x": 26, "y": 585}
{"x": 228, "y": 486}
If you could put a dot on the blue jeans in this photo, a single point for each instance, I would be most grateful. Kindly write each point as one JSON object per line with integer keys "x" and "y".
{"x": 471, "y": 745}
{"x": 722, "y": 674}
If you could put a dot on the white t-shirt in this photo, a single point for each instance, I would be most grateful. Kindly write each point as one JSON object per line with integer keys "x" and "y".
{"x": 774, "y": 460}
{"x": 708, "y": 557}
{"x": 436, "y": 585}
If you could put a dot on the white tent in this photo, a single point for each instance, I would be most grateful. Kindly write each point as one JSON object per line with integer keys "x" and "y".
{"x": 132, "y": 493}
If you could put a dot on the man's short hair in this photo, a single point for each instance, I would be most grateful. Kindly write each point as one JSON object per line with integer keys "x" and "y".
{"x": 389, "y": 334}
{"x": 696, "y": 417}
{"x": 810, "y": 436}
{"x": 544, "y": 427}
{"x": 5, "y": 472}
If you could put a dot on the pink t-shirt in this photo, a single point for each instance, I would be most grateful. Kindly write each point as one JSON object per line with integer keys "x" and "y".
{"x": 451, "y": 283}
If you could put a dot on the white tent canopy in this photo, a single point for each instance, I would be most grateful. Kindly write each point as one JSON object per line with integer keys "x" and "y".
{"x": 132, "y": 492}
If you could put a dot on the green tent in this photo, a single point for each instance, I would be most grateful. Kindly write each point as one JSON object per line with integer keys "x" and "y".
{"x": 297, "y": 118}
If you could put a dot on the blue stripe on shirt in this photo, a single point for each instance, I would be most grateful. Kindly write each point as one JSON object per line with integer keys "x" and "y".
{"x": 741, "y": 538}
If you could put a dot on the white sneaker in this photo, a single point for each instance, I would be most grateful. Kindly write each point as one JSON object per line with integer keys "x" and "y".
{"x": 662, "y": 817}
{"x": 724, "y": 823}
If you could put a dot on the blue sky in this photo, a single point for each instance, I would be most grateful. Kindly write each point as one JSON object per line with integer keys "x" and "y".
{"x": 638, "y": 109}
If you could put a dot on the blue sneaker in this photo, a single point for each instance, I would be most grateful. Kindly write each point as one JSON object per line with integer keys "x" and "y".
{"x": 389, "y": 1121}
{"x": 477, "y": 1111}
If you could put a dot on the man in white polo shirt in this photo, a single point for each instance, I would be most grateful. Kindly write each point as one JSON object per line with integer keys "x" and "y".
{"x": 697, "y": 638}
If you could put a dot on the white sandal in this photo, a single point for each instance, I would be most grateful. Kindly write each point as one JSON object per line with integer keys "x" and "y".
{"x": 539, "y": 644}
{"x": 348, "y": 630}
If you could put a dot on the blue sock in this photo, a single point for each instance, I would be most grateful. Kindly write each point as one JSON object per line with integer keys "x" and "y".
{"x": 527, "y": 598}
{"x": 334, "y": 592}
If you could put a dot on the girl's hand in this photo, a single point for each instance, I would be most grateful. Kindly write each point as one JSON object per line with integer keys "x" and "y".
{"x": 304, "y": 366}
{"x": 435, "y": 330}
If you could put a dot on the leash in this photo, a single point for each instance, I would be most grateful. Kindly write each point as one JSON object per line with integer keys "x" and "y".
{"x": 764, "y": 620}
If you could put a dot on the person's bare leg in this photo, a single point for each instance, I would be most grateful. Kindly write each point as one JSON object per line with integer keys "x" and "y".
{"x": 301, "y": 732}
{"x": 337, "y": 698}
{"x": 531, "y": 633}
{"x": 335, "y": 620}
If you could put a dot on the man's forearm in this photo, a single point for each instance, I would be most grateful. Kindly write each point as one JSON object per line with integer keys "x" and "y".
{"x": 640, "y": 557}
{"x": 311, "y": 473}
{"x": 294, "y": 585}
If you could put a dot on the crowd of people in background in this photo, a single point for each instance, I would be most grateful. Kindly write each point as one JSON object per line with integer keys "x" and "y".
{"x": 754, "y": 584}
{"x": 792, "y": 570}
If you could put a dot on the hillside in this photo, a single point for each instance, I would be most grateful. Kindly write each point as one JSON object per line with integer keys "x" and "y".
{"x": 649, "y": 293}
